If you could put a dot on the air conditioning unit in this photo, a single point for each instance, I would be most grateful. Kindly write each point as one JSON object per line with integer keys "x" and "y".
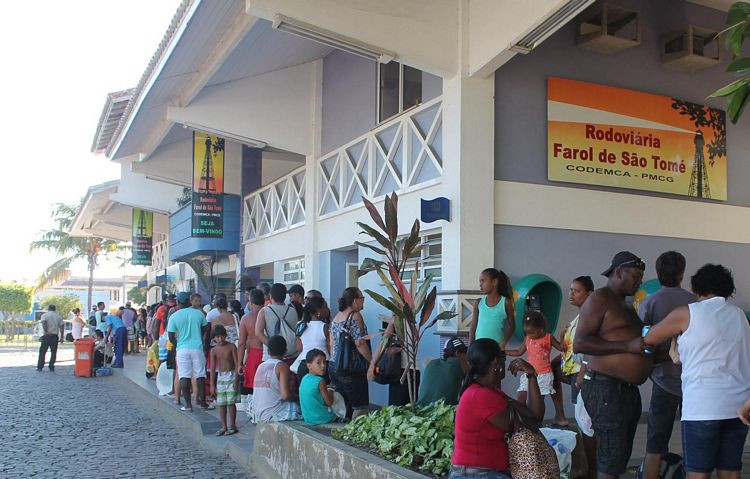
{"x": 610, "y": 30}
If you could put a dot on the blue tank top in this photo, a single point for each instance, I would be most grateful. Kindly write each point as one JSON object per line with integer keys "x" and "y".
{"x": 491, "y": 321}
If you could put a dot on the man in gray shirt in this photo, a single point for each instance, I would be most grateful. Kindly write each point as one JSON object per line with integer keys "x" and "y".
{"x": 666, "y": 394}
{"x": 53, "y": 325}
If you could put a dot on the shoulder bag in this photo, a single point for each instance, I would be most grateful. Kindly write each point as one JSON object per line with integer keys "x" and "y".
{"x": 388, "y": 367}
{"x": 531, "y": 456}
{"x": 348, "y": 359}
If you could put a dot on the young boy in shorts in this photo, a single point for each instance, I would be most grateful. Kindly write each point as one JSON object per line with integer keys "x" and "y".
{"x": 225, "y": 384}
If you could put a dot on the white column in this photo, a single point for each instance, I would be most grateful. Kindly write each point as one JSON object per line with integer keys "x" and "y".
{"x": 311, "y": 183}
{"x": 468, "y": 179}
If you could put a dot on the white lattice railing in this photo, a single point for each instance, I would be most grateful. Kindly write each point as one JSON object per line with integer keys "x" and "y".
{"x": 276, "y": 207}
{"x": 399, "y": 155}
{"x": 160, "y": 256}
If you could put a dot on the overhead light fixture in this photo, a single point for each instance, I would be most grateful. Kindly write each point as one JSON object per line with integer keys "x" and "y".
{"x": 226, "y": 135}
{"x": 549, "y": 25}
{"x": 331, "y": 39}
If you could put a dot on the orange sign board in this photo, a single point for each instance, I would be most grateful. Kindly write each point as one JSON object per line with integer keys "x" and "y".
{"x": 602, "y": 135}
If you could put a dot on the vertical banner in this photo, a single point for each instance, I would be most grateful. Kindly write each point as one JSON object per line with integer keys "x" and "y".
{"x": 208, "y": 186}
{"x": 143, "y": 236}
{"x": 603, "y": 135}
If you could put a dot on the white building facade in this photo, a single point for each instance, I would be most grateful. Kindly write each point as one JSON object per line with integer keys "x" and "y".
{"x": 323, "y": 103}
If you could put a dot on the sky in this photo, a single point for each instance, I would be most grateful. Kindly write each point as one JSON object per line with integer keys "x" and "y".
{"x": 60, "y": 61}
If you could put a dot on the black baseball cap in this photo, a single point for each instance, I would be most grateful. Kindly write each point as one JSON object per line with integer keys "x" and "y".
{"x": 624, "y": 258}
{"x": 454, "y": 345}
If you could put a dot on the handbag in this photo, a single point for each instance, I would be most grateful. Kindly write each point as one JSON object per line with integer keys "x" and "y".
{"x": 531, "y": 456}
{"x": 348, "y": 359}
{"x": 388, "y": 367}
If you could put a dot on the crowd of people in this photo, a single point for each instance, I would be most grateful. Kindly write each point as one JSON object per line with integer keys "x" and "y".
{"x": 695, "y": 347}
{"x": 294, "y": 359}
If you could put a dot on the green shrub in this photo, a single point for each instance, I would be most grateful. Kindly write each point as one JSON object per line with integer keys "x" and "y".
{"x": 421, "y": 438}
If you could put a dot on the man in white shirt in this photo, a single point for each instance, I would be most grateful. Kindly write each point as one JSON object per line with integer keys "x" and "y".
{"x": 54, "y": 328}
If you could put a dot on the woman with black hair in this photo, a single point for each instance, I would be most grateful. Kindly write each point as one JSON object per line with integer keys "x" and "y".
{"x": 484, "y": 414}
{"x": 349, "y": 319}
{"x": 312, "y": 333}
{"x": 713, "y": 340}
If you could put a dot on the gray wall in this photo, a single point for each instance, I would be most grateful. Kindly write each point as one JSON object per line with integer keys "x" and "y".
{"x": 566, "y": 254}
{"x": 521, "y": 92}
{"x": 349, "y": 98}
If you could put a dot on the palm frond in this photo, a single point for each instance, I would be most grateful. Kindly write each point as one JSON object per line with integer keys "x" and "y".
{"x": 55, "y": 272}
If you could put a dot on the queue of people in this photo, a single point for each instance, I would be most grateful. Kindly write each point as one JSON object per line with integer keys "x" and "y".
{"x": 695, "y": 347}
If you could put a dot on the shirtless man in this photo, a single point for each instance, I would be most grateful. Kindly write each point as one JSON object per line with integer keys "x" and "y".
{"x": 249, "y": 341}
{"x": 609, "y": 333}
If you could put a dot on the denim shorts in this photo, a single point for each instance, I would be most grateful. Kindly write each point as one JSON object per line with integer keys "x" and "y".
{"x": 477, "y": 473}
{"x": 709, "y": 445}
{"x": 615, "y": 408}
{"x": 661, "y": 416}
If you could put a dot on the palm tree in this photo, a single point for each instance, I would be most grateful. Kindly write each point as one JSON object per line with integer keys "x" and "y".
{"x": 70, "y": 248}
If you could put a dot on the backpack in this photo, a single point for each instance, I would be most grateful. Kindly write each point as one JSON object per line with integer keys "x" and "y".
{"x": 92, "y": 320}
{"x": 286, "y": 331}
{"x": 670, "y": 467}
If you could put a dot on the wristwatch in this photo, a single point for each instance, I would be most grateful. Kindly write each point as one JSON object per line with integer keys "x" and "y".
{"x": 531, "y": 375}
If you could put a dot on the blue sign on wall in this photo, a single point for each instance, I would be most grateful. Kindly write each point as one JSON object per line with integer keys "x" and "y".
{"x": 436, "y": 209}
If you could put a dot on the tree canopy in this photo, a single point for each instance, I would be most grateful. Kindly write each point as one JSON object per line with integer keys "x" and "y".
{"x": 64, "y": 303}
{"x": 15, "y": 298}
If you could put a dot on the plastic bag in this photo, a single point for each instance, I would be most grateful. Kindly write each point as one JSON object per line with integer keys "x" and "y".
{"x": 164, "y": 380}
{"x": 563, "y": 442}
{"x": 582, "y": 418}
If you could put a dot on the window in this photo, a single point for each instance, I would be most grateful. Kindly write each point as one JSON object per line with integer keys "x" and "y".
{"x": 399, "y": 88}
{"x": 430, "y": 258}
{"x": 293, "y": 272}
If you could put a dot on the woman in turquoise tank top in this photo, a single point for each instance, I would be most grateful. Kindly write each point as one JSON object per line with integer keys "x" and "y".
{"x": 494, "y": 313}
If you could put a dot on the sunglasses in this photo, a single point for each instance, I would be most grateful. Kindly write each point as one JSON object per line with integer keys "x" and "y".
{"x": 635, "y": 262}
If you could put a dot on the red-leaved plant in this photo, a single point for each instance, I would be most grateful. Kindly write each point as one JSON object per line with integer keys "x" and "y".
{"x": 411, "y": 306}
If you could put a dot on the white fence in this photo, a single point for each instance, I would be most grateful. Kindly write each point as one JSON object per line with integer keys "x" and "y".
{"x": 276, "y": 207}
{"x": 400, "y": 155}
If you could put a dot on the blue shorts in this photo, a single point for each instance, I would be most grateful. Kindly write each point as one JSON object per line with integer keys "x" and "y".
{"x": 709, "y": 445}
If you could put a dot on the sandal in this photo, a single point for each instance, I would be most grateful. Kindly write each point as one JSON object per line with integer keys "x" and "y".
{"x": 186, "y": 409}
{"x": 208, "y": 407}
{"x": 234, "y": 430}
{"x": 221, "y": 432}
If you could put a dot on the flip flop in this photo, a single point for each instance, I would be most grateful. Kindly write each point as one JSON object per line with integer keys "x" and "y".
{"x": 231, "y": 431}
{"x": 222, "y": 432}
{"x": 183, "y": 408}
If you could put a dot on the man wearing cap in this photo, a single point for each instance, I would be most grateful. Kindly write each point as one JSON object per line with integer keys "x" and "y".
{"x": 186, "y": 328}
{"x": 442, "y": 377}
{"x": 609, "y": 332}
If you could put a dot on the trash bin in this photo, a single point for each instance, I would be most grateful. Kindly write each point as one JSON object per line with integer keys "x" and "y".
{"x": 84, "y": 356}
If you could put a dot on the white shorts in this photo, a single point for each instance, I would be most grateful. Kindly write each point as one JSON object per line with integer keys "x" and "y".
{"x": 545, "y": 383}
{"x": 191, "y": 363}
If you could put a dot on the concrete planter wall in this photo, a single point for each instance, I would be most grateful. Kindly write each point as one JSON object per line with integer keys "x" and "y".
{"x": 283, "y": 450}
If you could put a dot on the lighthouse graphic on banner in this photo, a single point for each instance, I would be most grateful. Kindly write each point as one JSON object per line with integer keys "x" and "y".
{"x": 208, "y": 186}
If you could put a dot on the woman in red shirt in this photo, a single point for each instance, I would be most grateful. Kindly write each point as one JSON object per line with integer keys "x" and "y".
{"x": 483, "y": 416}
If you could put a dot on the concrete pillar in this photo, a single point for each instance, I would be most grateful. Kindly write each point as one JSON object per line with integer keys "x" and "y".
{"x": 468, "y": 179}
{"x": 311, "y": 186}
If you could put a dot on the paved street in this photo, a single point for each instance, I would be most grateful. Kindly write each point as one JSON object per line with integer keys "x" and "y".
{"x": 49, "y": 428}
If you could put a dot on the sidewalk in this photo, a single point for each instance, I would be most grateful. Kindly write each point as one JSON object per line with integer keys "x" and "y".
{"x": 201, "y": 424}
{"x": 238, "y": 447}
